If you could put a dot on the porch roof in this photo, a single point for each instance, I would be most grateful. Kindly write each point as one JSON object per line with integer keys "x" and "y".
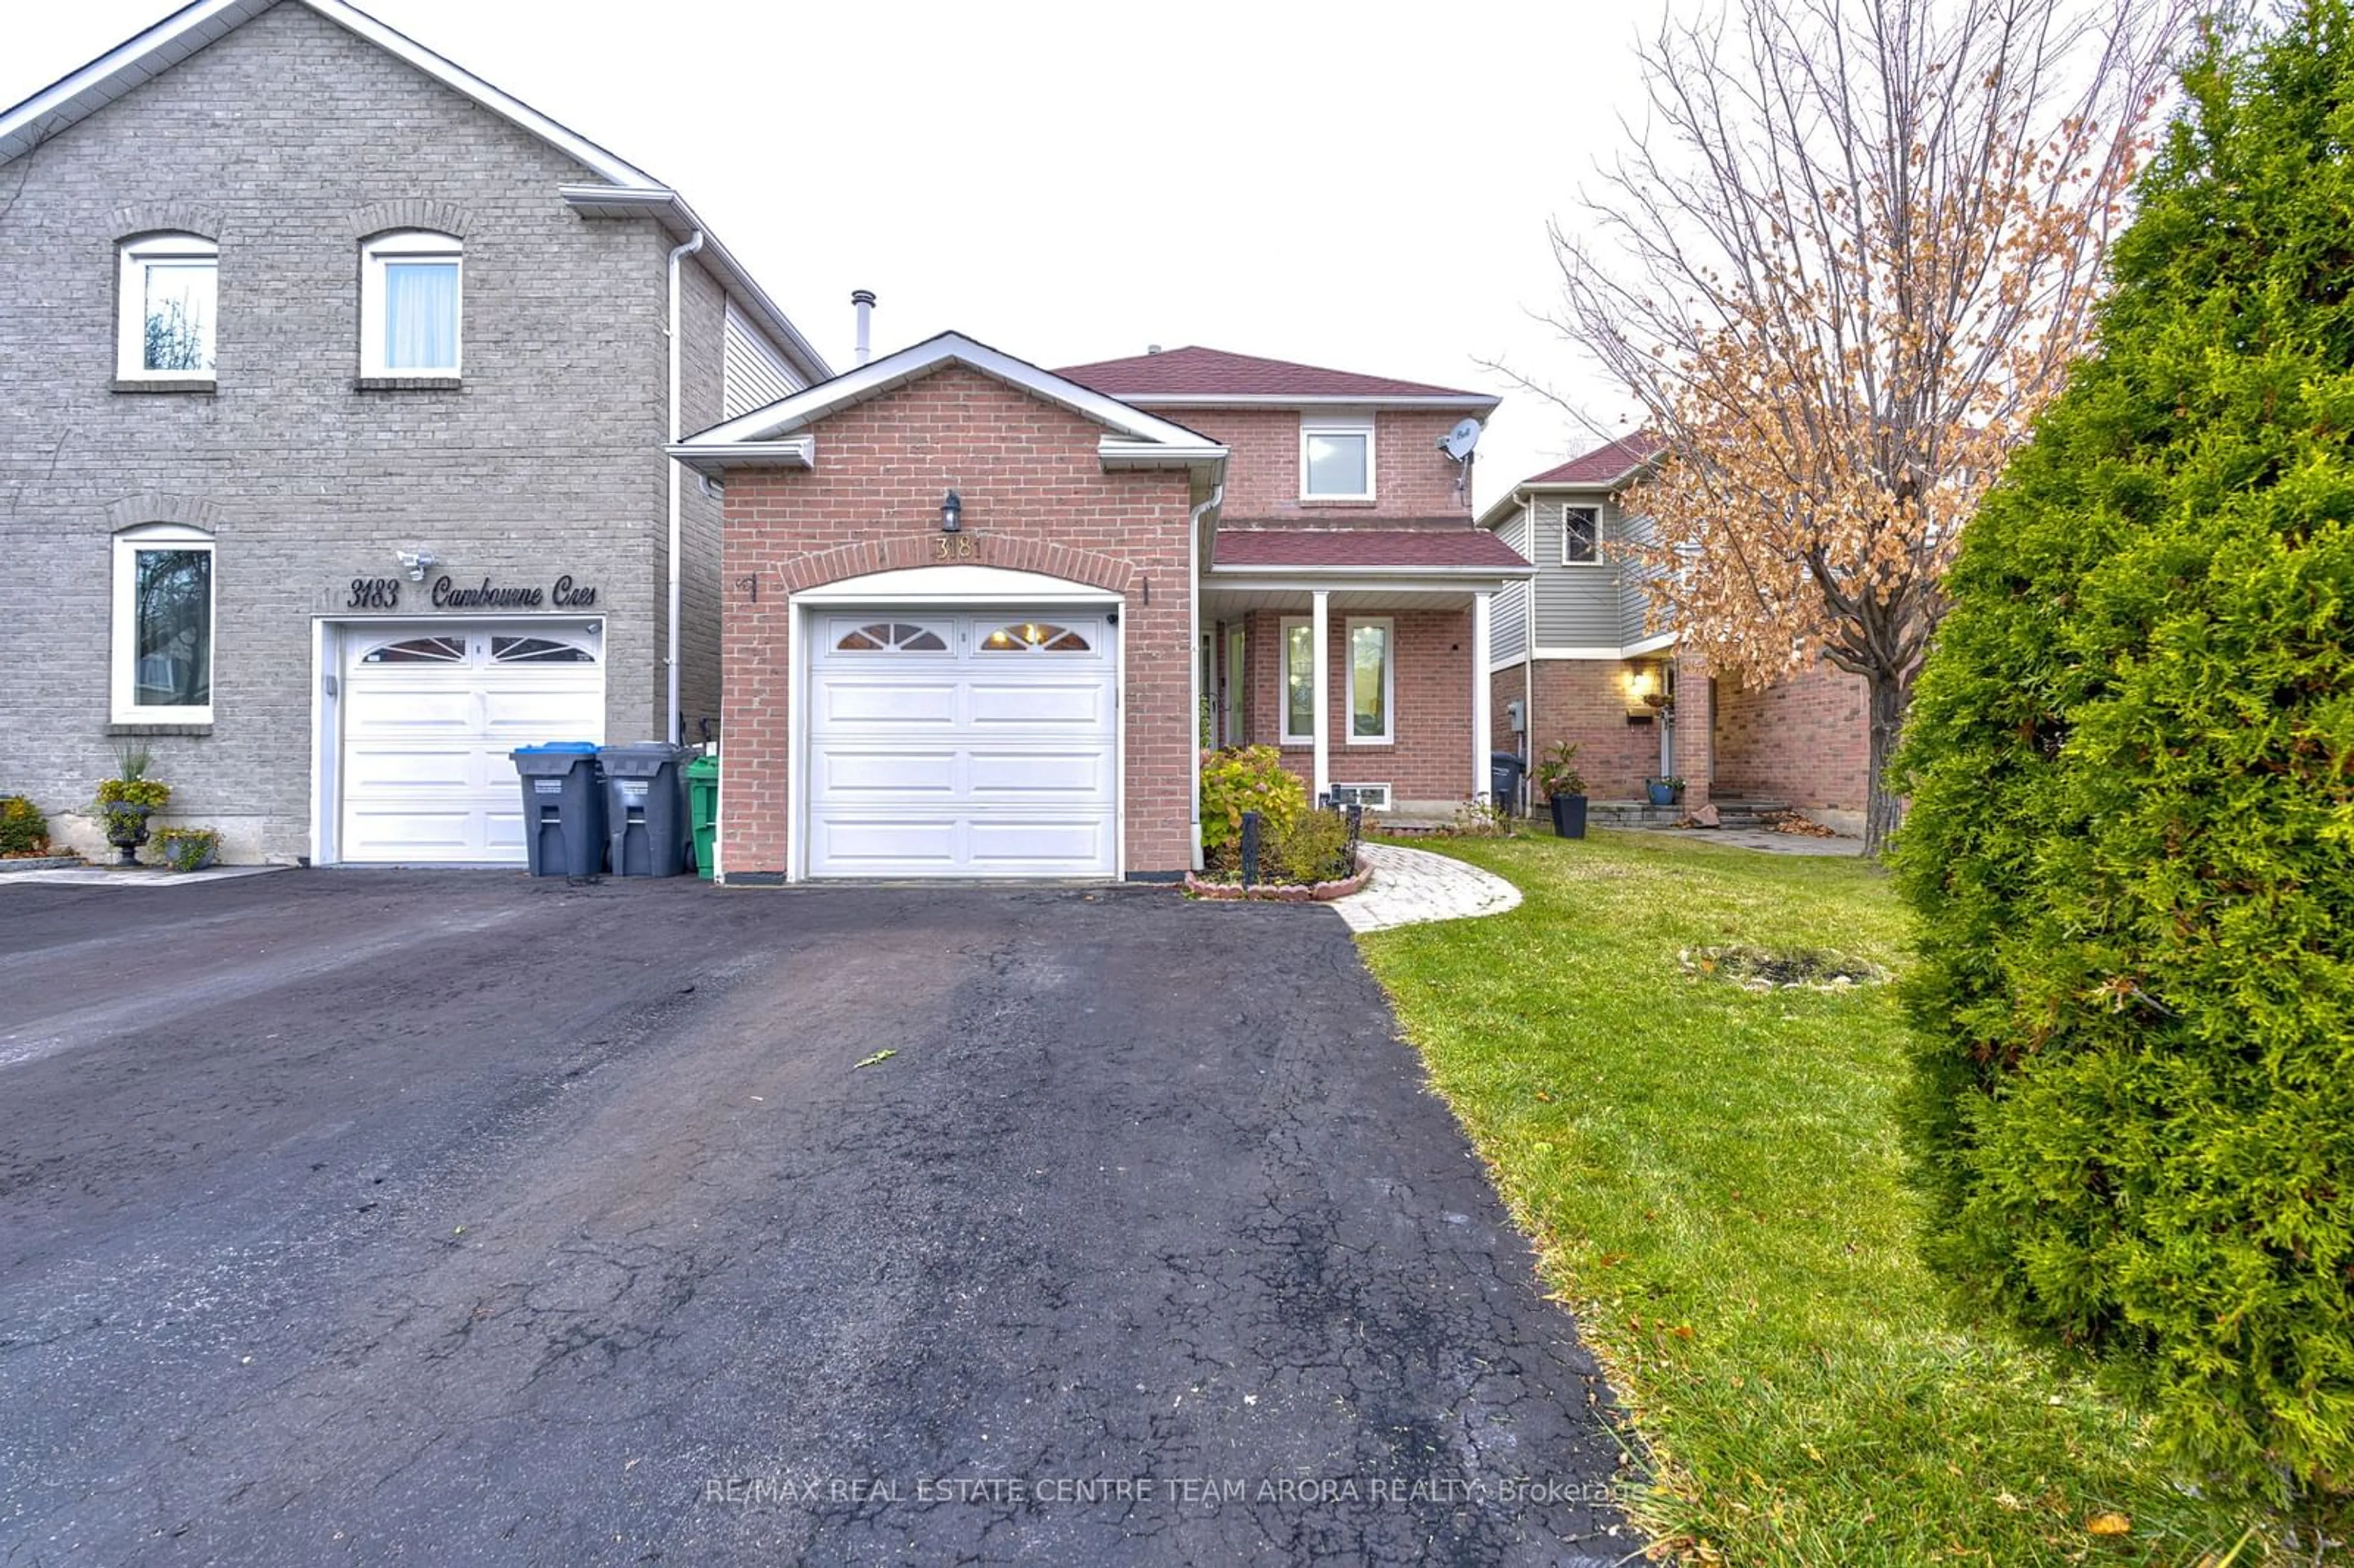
{"x": 1451, "y": 548}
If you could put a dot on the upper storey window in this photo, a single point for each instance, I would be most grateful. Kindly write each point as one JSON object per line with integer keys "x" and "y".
{"x": 1581, "y": 535}
{"x": 171, "y": 286}
{"x": 409, "y": 304}
{"x": 1336, "y": 460}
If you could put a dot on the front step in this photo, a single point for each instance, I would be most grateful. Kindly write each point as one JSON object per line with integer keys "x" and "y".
{"x": 1735, "y": 811}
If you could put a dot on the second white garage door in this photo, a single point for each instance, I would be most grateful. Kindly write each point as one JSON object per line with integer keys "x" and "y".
{"x": 963, "y": 745}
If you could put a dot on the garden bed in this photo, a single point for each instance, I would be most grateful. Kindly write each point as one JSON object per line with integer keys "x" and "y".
{"x": 1198, "y": 886}
{"x": 9, "y": 862}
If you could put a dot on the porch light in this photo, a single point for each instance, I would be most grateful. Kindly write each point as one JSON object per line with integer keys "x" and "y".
{"x": 952, "y": 514}
{"x": 418, "y": 562}
{"x": 1644, "y": 694}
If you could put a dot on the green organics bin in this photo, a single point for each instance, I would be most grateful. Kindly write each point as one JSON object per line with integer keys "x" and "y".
{"x": 703, "y": 810}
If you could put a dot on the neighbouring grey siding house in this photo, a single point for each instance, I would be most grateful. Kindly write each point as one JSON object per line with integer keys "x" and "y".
{"x": 1572, "y": 653}
{"x": 1579, "y": 655}
{"x": 287, "y": 302}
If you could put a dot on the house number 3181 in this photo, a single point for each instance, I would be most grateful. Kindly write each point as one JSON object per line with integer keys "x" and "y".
{"x": 951, "y": 547}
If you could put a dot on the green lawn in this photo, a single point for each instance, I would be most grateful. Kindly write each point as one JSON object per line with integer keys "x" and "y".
{"x": 1714, "y": 1180}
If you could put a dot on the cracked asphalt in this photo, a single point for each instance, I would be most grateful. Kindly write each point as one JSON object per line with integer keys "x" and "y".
{"x": 458, "y": 1218}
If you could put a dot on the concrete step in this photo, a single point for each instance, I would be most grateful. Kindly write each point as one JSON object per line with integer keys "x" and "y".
{"x": 1733, "y": 812}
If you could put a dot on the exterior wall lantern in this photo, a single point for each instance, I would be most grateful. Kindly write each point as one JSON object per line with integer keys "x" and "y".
{"x": 952, "y": 514}
{"x": 418, "y": 562}
{"x": 1647, "y": 692}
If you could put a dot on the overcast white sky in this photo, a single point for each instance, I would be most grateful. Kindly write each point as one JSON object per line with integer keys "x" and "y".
{"x": 1365, "y": 186}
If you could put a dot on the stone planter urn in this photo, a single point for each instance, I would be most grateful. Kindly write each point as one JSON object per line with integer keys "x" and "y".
{"x": 126, "y": 829}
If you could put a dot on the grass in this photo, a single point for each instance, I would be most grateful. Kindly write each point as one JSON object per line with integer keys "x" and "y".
{"x": 1712, "y": 1177}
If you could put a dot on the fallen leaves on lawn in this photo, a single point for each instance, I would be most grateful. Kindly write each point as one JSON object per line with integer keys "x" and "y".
{"x": 2109, "y": 1524}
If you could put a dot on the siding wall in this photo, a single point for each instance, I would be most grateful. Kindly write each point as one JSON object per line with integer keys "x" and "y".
{"x": 1577, "y": 606}
{"x": 1634, "y": 595}
{"x": 1508, "y": 613}
{"x": 756, "y": 371}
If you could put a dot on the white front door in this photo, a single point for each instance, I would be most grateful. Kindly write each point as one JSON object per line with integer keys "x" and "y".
{"x": 960, "y": 745}
{"x": 429, "y": 712}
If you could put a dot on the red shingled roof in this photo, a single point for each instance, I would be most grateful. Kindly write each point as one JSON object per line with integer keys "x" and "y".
{"x": 1450, "y": 545}
{"x": 1210, "y": 372}
{"x": 1604, "y": 463}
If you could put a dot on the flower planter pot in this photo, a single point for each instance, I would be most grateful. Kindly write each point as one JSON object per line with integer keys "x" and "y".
{"x": 1568, "y": 816}
{"x": 1660, "y": 792}
{"x": 126, "y": 829}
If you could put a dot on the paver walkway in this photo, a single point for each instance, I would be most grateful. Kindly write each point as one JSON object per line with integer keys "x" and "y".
{"x": 1412, "y": 886}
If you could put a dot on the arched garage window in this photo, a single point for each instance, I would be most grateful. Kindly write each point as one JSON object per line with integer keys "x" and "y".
{"x": 419, "y": 651}
{"x": 891, "y": 636}
{"x": 1034, "y": 637}
{"x": 538, "y": 651}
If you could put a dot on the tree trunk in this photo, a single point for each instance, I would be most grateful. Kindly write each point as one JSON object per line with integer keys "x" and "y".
{"x": 1889, "y": 697}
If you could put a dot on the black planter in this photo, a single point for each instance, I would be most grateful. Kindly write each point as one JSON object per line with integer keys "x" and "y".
{"x": 126, "y": 829}
{"x": 1568, "y": 816}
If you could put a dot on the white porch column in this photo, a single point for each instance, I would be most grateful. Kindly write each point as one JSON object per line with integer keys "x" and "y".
{"x": 1480, "y": 719}
{"x": 1320, "y": 718}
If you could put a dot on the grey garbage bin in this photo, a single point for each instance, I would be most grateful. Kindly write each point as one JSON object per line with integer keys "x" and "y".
{"x": 1505, "y": 769}
{"x": 563, "y": 807}
{"x": 645, "y": 808}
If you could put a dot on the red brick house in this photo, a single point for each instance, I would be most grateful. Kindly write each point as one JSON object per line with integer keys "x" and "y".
{"x": 1576, "y": 655}
{"x": 980, "y": 616}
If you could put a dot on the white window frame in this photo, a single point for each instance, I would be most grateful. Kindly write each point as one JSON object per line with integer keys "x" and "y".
{"x": 1282, "y": 662}
{"x": 1567, "y": 558}
{"x": 130, "y": 303}
{"x": 124, "y": 676}
{"x": 406, "y": 245}
{"x": 1311, "y": 427}
{"x": 1389, "y": 678}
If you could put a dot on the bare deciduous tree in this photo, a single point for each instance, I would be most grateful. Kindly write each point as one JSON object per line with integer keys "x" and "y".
{"x": 1842, "y": 267}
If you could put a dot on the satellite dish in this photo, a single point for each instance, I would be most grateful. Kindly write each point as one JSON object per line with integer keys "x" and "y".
{"x": 1459, "y": 440}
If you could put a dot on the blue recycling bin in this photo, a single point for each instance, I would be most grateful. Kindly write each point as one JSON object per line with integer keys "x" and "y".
{"x": 563, "y": 807}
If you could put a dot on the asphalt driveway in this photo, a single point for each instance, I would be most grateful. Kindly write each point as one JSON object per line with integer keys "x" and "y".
{"x": 461, "y": 1218}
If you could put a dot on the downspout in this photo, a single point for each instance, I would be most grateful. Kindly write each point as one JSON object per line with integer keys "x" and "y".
{"x": 1194, "y": 661}
{"x": 1529, "y": 662}
{"x": 677, "y": 496}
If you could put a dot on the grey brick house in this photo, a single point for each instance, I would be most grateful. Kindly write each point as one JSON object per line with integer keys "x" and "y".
{"x": 334, "y": 389}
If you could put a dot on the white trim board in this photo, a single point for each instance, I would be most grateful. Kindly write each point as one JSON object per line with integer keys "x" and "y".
{"x": 1631, "y": 650}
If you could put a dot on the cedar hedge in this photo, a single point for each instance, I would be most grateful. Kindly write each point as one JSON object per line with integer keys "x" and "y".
{"x": 2131, "y": 838}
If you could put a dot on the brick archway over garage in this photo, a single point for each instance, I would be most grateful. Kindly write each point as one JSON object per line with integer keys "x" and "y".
{"x": 818, "y": 568}
{"x": 1036, "y": 499}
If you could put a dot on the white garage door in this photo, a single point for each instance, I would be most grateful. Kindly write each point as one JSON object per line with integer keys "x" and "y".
{"x": 429, "y": 717}
{"x": 963, "y": 746}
